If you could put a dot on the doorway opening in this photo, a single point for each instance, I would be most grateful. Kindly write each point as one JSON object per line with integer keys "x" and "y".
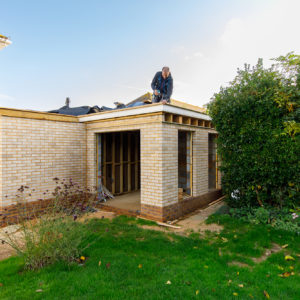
{"x": 118, "y": 163}
{"x": 212, "y": 161}
{"x": 185, "y": 164}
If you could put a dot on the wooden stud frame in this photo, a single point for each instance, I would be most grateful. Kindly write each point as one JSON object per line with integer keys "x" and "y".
{"x": 201, "y": 123}
{"x": 212, "y": 146}
{"x": 190, "y": 161}
{"x": 194, "y": 122}
{"x": 207, "y": 124}
{"x": 117, "y": 180}
{"x": 98, "y": 164}
{"x": 173, "y": 118}
{"x": 186, "y": 120}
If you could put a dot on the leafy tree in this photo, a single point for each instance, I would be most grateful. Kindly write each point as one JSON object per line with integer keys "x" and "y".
{"x": 258, "y": 120}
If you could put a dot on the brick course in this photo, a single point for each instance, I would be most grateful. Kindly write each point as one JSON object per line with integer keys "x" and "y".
{"x": 179, "y": 209}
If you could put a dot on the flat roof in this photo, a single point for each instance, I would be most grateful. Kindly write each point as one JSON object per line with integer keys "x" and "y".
{"x": 144, "y": 109}
{"x": 108, "y": 114}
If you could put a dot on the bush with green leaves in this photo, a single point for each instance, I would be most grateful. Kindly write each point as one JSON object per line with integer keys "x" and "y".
{"x": 55, "y": 235}
{"x": 258, "y": 120}
{"x": 279, "y": 218}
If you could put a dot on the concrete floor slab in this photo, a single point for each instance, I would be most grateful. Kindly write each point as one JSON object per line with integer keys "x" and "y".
{"x": 130, "y": 201}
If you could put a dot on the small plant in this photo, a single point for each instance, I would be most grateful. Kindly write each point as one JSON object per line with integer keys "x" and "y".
{"x": 262, "y": 215}
{"x": 53, "y": 235}
{"x": 285, "y": 219}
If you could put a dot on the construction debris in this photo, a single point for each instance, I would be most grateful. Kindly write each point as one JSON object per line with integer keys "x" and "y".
{"x": 168, "y": 225}
{"x": 104, "y": 193}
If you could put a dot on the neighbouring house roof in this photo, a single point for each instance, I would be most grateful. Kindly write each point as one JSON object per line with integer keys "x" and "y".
{"x": 140, "y": 101}
{"x": 76, "y": 111}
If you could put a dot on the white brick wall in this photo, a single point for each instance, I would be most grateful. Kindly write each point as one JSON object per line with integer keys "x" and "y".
{"x": 159, "y": 157}
{"x": 33, "y": 152}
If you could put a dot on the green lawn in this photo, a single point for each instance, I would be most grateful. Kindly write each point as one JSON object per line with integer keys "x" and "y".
{"x": 137, "y": 264}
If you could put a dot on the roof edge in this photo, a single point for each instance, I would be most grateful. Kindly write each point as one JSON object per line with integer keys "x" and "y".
{"x": 144, "y": 109}
{"x": 33, "y": 114}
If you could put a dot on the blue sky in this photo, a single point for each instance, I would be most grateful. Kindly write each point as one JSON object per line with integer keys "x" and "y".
{"x": 98, "y": 52}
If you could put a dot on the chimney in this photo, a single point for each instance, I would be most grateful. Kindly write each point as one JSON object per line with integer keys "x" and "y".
{"x": 67, "y": 102}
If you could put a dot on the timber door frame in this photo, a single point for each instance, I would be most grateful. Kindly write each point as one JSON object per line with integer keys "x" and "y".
{"x": 189, "y": 146}
{"x": 128, "y": 161}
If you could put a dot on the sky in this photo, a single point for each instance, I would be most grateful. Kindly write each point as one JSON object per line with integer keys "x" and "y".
{"x": 99, "y": 52}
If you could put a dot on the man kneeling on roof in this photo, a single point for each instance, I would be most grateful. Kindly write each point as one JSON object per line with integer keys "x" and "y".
{"x": 162, "y": 85}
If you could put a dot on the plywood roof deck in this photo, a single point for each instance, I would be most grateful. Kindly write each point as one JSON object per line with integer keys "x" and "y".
{"x": 148, "y": 96}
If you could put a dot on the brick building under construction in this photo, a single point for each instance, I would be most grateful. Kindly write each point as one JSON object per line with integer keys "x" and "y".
{"x": 159, "y": 160}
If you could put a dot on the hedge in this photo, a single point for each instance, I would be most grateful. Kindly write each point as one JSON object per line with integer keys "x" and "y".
{"x": 257, "y": 118}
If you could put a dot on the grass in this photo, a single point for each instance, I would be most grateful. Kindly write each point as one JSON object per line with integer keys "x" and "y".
{"x": 137, "y": 263}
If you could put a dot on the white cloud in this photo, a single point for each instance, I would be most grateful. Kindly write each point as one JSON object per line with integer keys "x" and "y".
{"x": 178, "y": 49}
{"x": 198, "y": 54}
{"x": 266, "y": 34}
{"x": 6, "y": 97}
{"x": 233, "y": 31}
{"x": 130, "y": 87}
{"x": 270, "y": 31}
{"x": 194, "y": 55}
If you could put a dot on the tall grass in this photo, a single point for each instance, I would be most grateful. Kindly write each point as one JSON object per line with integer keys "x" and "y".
{"x": 53, "y": 235}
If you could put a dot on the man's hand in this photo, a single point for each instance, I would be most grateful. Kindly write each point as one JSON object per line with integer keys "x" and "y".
{"x": 155, "y": 92}
{"x": 164, "y": 102}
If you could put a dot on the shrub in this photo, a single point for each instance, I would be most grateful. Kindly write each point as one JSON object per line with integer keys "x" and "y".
{"x": 55, "y": 235}
{"x": 258, "y": 121}
{"x": 262, "y": 215}
{"x": 284, "y": 219}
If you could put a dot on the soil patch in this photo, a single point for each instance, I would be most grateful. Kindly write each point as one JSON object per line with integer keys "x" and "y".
{"x": 274, "y": 249}
{"x": 196, "y": 221}
{"x": 155, "y": 227}
{"x": 238, "y": 264}
{"x": 100, "y": 214}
